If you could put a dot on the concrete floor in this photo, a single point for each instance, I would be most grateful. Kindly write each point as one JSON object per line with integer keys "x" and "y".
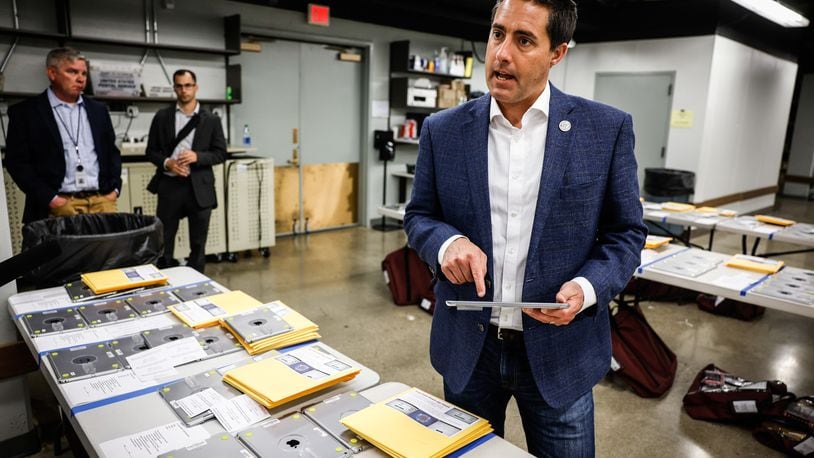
{"x": 335, "y": 279}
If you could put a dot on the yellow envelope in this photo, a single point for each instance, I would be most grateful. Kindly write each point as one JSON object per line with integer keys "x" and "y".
{"x": 107, "y": 281}
{"x": 205, "y": 312}
{"x": 302, "y": 330}
{"x": 654, "y": 241}
{"x": 754, "y": 263}
{"x": 774, "y": 220}
{"x": 677, "y": 207}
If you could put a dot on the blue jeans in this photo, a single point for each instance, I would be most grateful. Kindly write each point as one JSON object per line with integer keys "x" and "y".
{"x": 502, "y": 372}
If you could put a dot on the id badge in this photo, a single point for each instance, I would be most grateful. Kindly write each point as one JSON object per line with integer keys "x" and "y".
{"x": 81, "y": 179}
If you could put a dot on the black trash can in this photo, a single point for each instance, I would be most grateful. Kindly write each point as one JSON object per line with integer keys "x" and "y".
{"x": 667, "y": 185}
{"x": 93, "y": 242}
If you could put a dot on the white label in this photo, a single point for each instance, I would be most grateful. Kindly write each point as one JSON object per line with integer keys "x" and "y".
{"x": 744, "y": 406}
{"x": 238, "y": 413}
{"x": 425, "y": 304}
{"x": 159, "y": 362}
{"x": 615, "y": 366}
{"x": 313, "y": 362}
{"x": 386, "y": 277}
{"x": 154, "y": 441}
{"x": 805, "y": 447}
{"x": 200, "y": 402}
{"x": 433, "y": 413}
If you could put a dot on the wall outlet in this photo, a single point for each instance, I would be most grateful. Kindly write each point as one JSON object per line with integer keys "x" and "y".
{"x": 132, "y": 111}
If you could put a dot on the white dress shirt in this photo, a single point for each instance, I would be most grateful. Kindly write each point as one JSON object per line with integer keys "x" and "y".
{"x": 515, "y": 168}
{"x": 181, "y": 120}
{"x": 74, "y": 130}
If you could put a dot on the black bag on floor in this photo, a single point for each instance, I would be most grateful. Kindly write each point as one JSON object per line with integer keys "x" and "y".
{"x": 409, "y": 278}
{"x": 640, "y": 357}
{"x": 717, "y": 395}
{"x": 789, "y": 427}
{"x": 718, "y": 305}
{"x": 654, "y": 291}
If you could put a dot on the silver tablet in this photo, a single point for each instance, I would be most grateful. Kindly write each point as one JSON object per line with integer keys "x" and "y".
{"x": 479, "y": 305}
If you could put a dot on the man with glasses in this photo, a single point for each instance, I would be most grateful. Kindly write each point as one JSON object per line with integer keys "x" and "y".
{"x": 184, "y": 143}
{"x": 61, "y": 147}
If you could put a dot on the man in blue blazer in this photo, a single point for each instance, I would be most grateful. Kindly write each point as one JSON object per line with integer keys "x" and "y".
{"x": 61, "y": 147}
{"x": 527, "y": 195}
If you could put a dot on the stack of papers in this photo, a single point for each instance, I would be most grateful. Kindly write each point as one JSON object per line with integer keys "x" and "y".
{"x": 416, "y": 424}
{"x": 754, "y": 263}
{"x": 201, "y": 313}
{"x": 677, "y": 207}
{"x": 107, "y": 281}
{"x": 774, "y": 220}
{"x": 655, "y": 241}
{"x": 270, "y": 326}
{"x": 283, "y": 377}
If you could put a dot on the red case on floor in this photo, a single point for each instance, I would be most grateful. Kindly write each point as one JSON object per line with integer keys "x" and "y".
{"x": 641, "y": 358}
{"x": 408, "y": 277}
{"x": 789, "y": 426}
{"x": 729, "y": 307}
{"x": 737, "y": 405}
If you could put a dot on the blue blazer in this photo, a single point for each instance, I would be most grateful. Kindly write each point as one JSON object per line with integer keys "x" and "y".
{"x": 35, "y": 156}
{"x": 588, "y": 223}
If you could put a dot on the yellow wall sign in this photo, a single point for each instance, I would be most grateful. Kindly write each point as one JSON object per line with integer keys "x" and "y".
{"x": 682, "y": 119}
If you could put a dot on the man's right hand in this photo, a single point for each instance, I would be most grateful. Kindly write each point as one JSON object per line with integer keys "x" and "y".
{"x": 57, "y": 202}
{"x": 175, "y": 167}
{"x": 463, "y": 263}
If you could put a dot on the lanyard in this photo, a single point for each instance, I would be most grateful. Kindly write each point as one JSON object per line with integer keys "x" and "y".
{"x": 75, "y": 141}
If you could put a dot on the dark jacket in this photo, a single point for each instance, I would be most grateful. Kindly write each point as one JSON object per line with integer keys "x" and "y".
{"x": 35, "y": 155}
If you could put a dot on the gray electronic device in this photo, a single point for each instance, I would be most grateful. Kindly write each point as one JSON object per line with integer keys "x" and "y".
{"x": 196, "y": 291}
{"x": 292, "y": 435}
{"x": 167, "y": 334}
{"x": 83, "y": 362}
{"x": 479, "y": 305}
{"x": 194, "y": 384}
{"x": 219, "y": 445}
{"x": 217, "y": 341}
{"x": 327, "y": 414}
{"x": 108, "y": 312}
{"x": 53, "y": 321}
{"x": 153, "y": 302}
{"x": 257, "y": 324}
{"x": 128, "y": 346}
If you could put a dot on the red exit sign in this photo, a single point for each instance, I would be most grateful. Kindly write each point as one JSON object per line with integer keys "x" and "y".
{"x": 319, "y": 15}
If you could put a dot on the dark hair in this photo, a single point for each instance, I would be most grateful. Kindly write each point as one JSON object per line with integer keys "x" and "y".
{"x": 57, "y": 55}
{"x": 181, "y": 71}
{"x": 561, "y": 22}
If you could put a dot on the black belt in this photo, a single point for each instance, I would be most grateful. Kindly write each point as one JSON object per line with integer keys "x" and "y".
{"x": 80, "y": 194}
{"x": 509, "y": 336}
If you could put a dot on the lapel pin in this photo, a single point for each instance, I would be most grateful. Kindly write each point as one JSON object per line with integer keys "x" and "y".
{"x": 565, "y": 126}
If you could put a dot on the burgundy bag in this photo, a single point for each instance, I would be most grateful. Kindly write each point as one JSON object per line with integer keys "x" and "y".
{"x": 649, "y": 290}
{"x": 789, "y": 426}
{"x": 408, "y": 277}
{"x": 716, "y": 395}
{"x": 728, "y": 307}
{"x": 640, "y": 357}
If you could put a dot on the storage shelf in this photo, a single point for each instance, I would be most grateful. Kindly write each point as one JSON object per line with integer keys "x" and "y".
{"x": 115, "y": 98}
{"x": 156, "y": 46}
{"x": 32, "y": 33}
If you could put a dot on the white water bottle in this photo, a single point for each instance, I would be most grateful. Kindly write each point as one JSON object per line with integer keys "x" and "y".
{"x": 247, "y": 137}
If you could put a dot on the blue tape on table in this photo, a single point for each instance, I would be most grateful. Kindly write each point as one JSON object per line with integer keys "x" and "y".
{"x": 746, "y": 290}
{"x": 121, "y": 397}
{"x": 644, "y": 266}
{"x": 466, "y": 448}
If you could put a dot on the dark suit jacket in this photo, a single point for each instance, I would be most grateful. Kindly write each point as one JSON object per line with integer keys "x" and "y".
{"x": 588, "y": 222}
{"x": 35, "y": 155}
{"x": 208, "y": 142}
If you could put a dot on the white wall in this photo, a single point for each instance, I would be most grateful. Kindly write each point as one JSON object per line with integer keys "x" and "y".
{"x": 801, "y": 156}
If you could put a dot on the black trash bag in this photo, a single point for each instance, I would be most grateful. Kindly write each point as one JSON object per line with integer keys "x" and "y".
{"x": 93, "y": 242}
{"x": 668, "y": 183}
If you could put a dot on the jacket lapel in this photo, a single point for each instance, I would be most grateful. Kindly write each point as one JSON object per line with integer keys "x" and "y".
{"x": 557, "y": 149}
{"x": 475, "y": 135}
{"x": 47, "y": 114}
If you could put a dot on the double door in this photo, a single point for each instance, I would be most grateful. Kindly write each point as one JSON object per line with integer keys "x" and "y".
{"x": 303, "y": 107}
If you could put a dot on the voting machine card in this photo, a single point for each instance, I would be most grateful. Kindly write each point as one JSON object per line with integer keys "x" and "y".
{"x": 219, "y": 445}
{"x": 292, "y": 435}
{"x": 327, "y": 414}
{"x": 53, "y": 321}
{"x": 189, "y": 386}
{"x": 196, "y": 291}
{"x": 128, "y": 346}
{"x": 258, "y": 324}
{"x": 78, "y": 290}
{"x": 83, "y": 362}
{"x": 160, "y": 336}
{"x": 217, "y": 341}
{"x": 152, "y": 302}
{"x": 108, "y": 312}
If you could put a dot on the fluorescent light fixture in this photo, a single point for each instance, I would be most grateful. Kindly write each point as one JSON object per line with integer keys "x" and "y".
{"x": 775, "y": 12}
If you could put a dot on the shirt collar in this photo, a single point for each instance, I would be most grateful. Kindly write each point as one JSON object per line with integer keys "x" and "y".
{"x": 195, "y": 111}
{"x": 55, "y": 101}
{"x": 540, "y": 105}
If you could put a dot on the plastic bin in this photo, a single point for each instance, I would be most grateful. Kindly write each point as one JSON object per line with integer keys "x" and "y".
{"x": 667, "y": 185}
{"x": 93, "y": 242}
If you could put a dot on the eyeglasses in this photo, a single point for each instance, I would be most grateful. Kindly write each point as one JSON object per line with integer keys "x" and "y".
{"x": 184, "y": 86}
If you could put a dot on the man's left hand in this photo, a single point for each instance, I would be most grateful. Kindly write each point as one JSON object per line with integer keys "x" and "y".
{"x": 187, "y": 157}
{"x": 571, "y": 294}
